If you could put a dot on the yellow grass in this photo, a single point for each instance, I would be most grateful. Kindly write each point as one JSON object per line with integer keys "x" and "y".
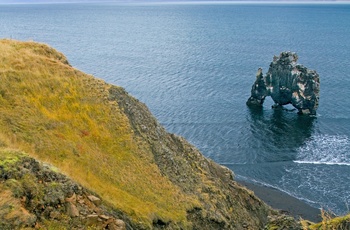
{"x": 328, "y": 222}
{"x": 62, "y": 116}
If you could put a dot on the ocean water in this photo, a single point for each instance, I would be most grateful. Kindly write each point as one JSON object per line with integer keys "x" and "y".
{"x": 193, "y": 65}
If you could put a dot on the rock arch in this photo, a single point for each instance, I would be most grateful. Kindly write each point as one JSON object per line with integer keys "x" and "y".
{"x": 287, "y": 83}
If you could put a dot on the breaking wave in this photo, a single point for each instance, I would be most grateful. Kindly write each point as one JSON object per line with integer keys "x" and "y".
{"x": 325, "y": 149}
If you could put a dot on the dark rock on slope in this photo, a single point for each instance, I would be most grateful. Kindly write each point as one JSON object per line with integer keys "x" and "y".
{"x": 287, "y": 83}
{"x": 33, "y": 195}
{"x": 225, "y": 204}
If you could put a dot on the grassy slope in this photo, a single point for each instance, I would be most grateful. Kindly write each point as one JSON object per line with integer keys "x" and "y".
{"x": 329, "y": 222}
{"x": 63, "y": 116}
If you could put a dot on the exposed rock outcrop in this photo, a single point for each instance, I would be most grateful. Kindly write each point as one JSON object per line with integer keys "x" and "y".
{"x": 287, "y": 83}
{"x": 33, "y": 195}
{"x": 223, "y": 203}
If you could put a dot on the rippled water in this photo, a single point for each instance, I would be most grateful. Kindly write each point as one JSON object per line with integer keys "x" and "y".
{"x": 193, "y": 65}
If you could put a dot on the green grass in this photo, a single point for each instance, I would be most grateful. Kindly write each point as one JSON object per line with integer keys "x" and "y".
{"x": 62, "y": 116}
{"x": 329, "y": 223}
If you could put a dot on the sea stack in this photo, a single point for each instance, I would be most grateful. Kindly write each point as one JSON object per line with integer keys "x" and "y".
{"x": 287, "y": 83}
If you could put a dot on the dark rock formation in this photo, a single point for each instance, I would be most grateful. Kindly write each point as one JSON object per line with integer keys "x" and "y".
{"x": 287, "y": 83}
{"x": 33, "y": 195}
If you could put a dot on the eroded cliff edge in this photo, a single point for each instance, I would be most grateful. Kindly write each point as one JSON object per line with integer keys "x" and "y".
{"x": 223, "y": 204}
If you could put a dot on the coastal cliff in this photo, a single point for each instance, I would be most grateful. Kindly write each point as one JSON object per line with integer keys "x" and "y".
{"x": 110, "y": 144}
{"x": 76, "y": 152}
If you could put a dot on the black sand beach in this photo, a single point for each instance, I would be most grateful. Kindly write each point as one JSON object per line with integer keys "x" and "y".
{"x": 282, "y": 201}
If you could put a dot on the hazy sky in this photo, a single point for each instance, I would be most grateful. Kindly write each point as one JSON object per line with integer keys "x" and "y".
{"x": 165, "y": 1}
{"x": 52, "y": 1}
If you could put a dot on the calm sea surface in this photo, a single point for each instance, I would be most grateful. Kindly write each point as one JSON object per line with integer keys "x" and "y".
{"x": 193, "y": 65}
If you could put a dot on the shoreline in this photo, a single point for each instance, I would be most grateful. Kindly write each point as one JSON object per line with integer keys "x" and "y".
{"x": 284, "y": 202}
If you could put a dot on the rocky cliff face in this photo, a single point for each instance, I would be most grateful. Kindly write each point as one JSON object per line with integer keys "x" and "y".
{"x": 287, "y": 83}
{"x": 223, "y": 204}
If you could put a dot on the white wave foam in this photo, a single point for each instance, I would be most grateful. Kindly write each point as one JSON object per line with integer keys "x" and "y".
{"x": 325, "y": 149}
{"x": 321, "y": 163}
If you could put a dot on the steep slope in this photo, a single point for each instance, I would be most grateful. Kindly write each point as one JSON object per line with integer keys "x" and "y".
{"x": 109, "y": 143}
{"x": 224, "y": 204}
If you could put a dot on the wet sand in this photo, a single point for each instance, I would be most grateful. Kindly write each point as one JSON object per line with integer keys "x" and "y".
{"x": 284, "y": 202}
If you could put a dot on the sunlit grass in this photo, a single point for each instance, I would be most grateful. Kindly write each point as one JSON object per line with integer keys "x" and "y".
{"x": 62, "y": 116}
{"x": 329, "y": 222}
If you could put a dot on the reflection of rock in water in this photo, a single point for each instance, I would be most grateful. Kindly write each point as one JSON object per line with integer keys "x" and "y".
{"x": 287, "y": 83}
{"x": 278, "y": 133}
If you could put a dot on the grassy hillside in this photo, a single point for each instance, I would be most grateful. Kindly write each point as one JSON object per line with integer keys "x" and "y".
{"x": 64, "y": 117}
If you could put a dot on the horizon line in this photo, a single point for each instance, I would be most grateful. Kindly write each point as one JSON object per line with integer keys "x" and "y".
{"x": 182, "y": 2}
